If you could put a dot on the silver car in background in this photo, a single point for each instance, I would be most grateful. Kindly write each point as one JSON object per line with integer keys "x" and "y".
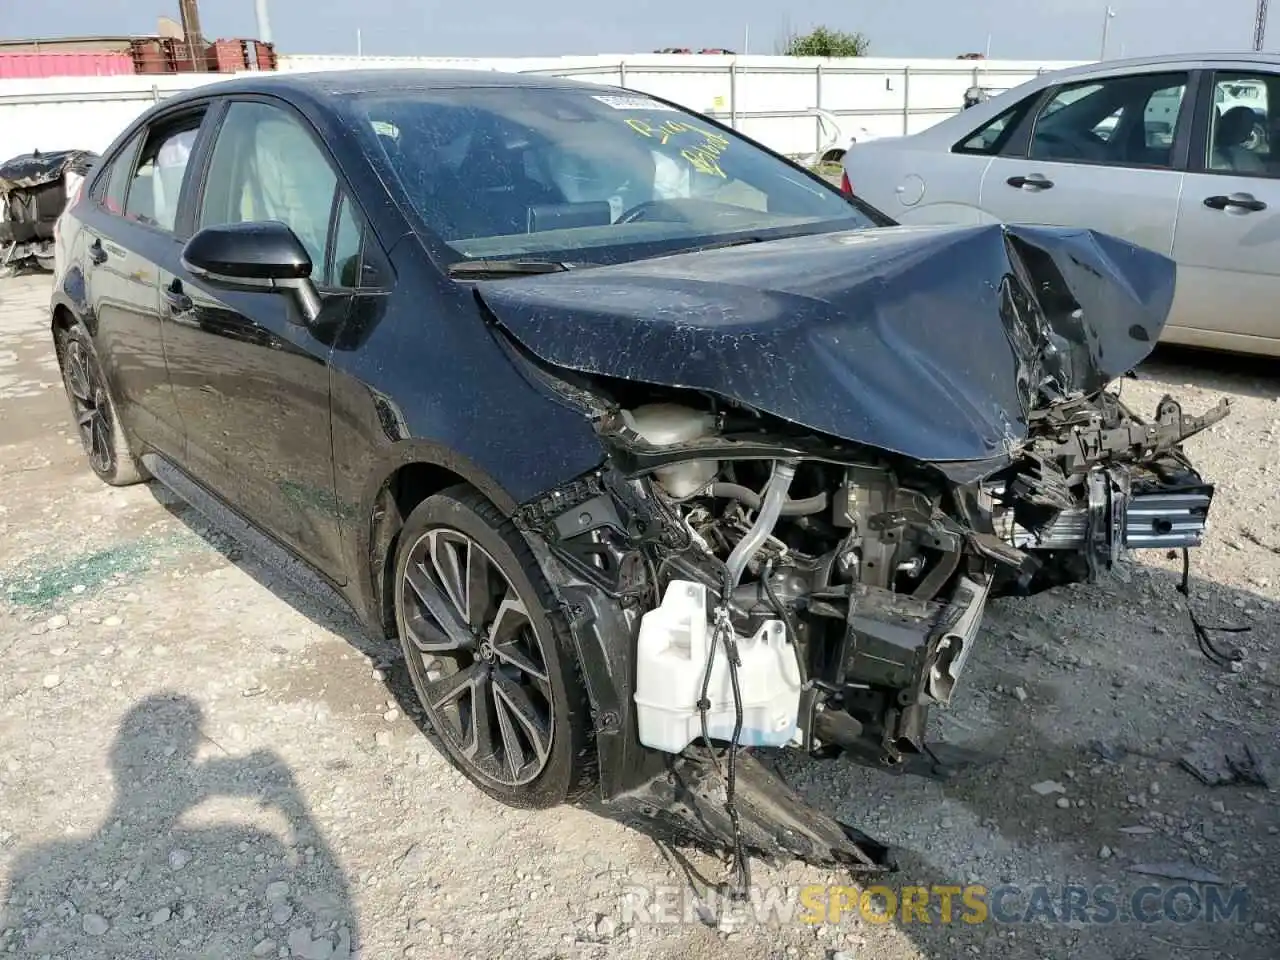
{"x": 1173, "y": 153}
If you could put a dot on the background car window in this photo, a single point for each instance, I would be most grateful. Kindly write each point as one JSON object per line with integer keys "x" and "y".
{"x": 992, "y": 136}
{"x": 1124, "y": 121}
{"x": 1242, "y": 124}
{"x": 157, "y": 180}
{"x": 266, "y": 166}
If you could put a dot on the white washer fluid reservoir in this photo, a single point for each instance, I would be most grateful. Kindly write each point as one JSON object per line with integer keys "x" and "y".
{"x": 670, "y": 664}
{"x": 668, "y": 424}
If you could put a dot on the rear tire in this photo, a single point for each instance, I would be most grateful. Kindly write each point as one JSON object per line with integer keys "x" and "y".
{"x": 490, "y": 655}
{"x": 94, "y": 411}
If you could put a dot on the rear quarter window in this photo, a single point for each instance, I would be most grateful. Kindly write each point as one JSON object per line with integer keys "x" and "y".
{"x": 990, "y": 138}
{"x": 110, "y": 188}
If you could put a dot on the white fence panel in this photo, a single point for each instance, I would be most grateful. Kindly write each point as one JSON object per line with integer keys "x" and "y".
{"x": 771, "y": 99}
{"x": 79, "y": 113}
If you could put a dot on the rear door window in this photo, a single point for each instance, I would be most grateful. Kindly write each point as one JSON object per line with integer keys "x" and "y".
{"x": 156, "y": 186}
{"x": 1243, "y": 123}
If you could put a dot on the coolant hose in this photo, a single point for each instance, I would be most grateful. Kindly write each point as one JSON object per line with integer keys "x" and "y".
{"x": 751, "y": 499}
{"x": 775, "y": 496}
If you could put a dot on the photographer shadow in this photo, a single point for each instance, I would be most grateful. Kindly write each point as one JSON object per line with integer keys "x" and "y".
{"x": 177, "y": 870}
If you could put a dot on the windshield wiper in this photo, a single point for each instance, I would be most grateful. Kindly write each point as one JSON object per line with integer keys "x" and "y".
{"x": 505, "y": 268}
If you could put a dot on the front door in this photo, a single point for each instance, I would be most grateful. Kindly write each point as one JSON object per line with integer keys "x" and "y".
{"x": 1101, "y": 154}
{"x": 250, "y": 379}
{"x": 1228, "y": 239}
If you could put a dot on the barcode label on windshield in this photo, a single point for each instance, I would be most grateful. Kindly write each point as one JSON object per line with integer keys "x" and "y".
{"x": 631, "y": 103}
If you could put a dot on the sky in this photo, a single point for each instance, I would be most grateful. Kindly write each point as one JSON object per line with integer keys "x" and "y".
{"x": 1018, "y": 29}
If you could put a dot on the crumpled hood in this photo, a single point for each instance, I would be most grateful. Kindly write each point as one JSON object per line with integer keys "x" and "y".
{"x": 932, "y": 342}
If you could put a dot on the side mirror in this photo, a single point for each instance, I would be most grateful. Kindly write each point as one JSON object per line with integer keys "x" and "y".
{"x": 264, "y": 255}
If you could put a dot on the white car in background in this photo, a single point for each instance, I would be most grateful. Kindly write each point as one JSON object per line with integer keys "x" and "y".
{"x": 1172, "y": 153}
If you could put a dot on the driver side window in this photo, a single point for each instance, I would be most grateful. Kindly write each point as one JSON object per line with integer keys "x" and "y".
{"x": 1128, "y": 121}
{"x": 266, "y": 166}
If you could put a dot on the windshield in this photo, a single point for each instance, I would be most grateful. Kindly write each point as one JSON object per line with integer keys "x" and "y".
{"x": 588, "y": 176}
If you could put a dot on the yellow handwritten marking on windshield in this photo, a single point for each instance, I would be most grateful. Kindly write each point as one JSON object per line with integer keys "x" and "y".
{"x": 704, "y": 155}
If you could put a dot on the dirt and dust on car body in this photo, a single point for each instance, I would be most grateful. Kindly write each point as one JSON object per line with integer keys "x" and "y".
{"x": 824, "y": 455}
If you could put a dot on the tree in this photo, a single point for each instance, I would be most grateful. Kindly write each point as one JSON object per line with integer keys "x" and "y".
{"x": 825, "y": 42}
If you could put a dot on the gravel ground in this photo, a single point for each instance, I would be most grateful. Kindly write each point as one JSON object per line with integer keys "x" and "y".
{"x": 197, "y": 760}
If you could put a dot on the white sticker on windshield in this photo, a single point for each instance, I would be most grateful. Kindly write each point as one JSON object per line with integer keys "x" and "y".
{"x": 631, "y": 103}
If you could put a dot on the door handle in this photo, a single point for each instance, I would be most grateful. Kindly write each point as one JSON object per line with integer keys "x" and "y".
{"x": 178, "y": 301}
{"x": 97, "y": 253}
{"x": 1241, "y": 201}
{"x": 1033, "y": 180}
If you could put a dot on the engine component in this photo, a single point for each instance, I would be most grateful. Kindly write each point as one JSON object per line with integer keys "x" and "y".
{"x": 775, "y": 496}
{"x": 792, "y": 508}
{"x": 667, "y": 425}
{"x": 671, "y": 655}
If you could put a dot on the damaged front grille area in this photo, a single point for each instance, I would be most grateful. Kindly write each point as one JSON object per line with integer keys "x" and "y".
{"x": 1099, "y": 481}
{"x": 1167, "y": 520}
{"x": 1115, "y": 520}
{"x": 1163, "y": 519}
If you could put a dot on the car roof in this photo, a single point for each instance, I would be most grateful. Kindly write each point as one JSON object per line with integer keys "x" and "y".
{"x": 972, "y": 118}
{"x": 318, "y": 84}
{"x": 1190, "y": 60}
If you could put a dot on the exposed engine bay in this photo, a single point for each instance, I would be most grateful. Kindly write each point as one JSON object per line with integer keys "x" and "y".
{"x": 822, "y": 457}
{"x": 791, "y": 591}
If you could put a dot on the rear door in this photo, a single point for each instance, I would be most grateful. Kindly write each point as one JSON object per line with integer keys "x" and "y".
{"x": 129, "y": 230}
{"x": 1228, "y": 239}
{"x": 1105, "y": 153}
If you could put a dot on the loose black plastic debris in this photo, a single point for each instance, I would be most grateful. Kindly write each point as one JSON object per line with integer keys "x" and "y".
{"x": 1177, "y": 871}
{"x": 1217, "y": 765}
{"x": 1210, "y": 650}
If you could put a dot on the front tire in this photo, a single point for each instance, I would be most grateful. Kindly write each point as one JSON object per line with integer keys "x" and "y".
{"x": 96, "y": 416}
{"x": 490, "y": 655}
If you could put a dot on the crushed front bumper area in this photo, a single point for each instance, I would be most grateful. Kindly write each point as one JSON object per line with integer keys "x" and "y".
{"x": 773, "y": 821}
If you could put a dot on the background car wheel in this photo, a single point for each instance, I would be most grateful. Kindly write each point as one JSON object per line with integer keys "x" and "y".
{"x": 97, "y": 421}
{"x": 490, "y": 655}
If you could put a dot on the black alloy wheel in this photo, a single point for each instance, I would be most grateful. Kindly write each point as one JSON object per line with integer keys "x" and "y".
{"x": 493, "y": 669}
{"x": 97, "y": 421}
{"x": 91, "y": 406}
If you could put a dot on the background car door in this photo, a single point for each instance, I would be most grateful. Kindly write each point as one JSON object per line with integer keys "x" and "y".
{"x": 1101, "y": 154}
{"x": 251, "y": 381}
{"x": 130, "y": 230}
{"x": 1228, "y": 238}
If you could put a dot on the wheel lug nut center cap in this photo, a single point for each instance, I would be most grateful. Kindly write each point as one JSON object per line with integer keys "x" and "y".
{"x": 486, "y": 651}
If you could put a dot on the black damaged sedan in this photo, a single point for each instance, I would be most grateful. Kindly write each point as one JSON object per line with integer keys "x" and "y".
{"x": 649, "y": 446}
